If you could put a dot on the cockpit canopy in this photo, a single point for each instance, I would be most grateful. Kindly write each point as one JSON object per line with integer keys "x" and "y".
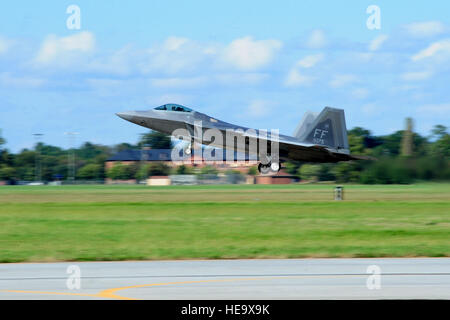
{"x": 173, "y": 107}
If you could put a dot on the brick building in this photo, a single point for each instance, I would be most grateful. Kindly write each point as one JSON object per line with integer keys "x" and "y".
{"x": 240, "y": 163}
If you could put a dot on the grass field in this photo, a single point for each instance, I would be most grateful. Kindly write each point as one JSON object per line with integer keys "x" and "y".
{"x": 43, "y": 223}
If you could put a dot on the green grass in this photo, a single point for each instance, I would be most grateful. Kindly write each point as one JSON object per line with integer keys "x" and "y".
{"x": 137, "y": 222}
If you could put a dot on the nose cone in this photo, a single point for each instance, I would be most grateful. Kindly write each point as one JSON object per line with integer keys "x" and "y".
{"x": 128, "y": 115}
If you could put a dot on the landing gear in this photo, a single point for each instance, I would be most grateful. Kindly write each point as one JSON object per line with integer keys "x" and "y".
{"x": 188, "y": 150}
{"x": 275, "y": 166}
{"x": 269, "y": 167}
{"x": 264, "y": 168}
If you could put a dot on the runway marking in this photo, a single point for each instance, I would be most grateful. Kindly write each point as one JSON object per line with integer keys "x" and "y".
{"x": 111, "y": 293}
{"x": 231, "y": 275}
{"x": 52, "y": 293}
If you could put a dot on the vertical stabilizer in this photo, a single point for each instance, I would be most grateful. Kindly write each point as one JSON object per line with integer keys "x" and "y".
{"x": 305, "y": 124}
{"x": 327, "y": 129}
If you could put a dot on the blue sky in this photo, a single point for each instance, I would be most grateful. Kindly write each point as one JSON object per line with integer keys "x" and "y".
{"x": 261, "y": 64}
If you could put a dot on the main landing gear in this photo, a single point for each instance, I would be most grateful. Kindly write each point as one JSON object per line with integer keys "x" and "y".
{"x": 271, "y": 167}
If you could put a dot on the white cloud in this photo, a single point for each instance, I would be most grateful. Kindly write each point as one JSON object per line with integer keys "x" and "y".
{"x": 295, "y": 76}
{"x": 57, "y": 50}
{"x": 360, "y": 93}
{"x": 4, "y": 45}
{"x": 369, "y": 109}
{"x": 8, "y": 80}
{"x": 176, "y": 55}
{"x": 310, "y": 61}
{"x": 121, "y": 62}
{"x": 372, "y": 109}
{"x": 296, "y": 79}
{"x": 376, "y": 43}
{"x": 248, "y": 54}
{"x": 342, "y": 80}
{"x": 425, "y": 29}
{"x": 442, "y": 46}
{"x": 174, "y": 43}
{"x": 241, "y": 78}
{"x": 416, "y": 76}
{"x": 179, "y": 82}
{"x": 316, "y": 39}
{"x": 229, "y": 79}
{"x": 106, "y": 87}
{"x": 259, "y": 108}
{"x": 442, "y": 109}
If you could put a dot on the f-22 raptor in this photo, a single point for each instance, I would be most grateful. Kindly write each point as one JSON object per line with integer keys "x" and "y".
{"x": 318, "y": 137}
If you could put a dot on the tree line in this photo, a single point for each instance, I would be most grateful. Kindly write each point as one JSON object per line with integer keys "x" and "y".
{"x": 403, "y": 157}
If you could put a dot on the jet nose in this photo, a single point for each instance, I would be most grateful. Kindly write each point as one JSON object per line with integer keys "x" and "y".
{"x": 128, "y": 115}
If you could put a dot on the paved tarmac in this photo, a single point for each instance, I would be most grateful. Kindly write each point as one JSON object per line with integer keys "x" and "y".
{"x": 415, "y": 278}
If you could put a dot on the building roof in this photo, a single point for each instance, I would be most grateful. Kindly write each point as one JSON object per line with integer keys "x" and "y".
{"x": 166, "y": 155}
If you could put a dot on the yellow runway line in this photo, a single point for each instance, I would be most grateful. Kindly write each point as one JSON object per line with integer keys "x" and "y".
{"x": 111, "y": 293}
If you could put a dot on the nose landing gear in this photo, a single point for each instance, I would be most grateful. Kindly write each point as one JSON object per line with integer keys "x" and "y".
{"x": 188, "y": 150}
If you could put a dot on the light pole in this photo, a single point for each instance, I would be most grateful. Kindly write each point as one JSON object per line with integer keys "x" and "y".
{"x": 71, "y": 156}
{"x": 37, "y": 159}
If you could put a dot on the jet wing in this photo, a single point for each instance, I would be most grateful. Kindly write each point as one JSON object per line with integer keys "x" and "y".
{"x": 292, "y": 149}
{"x": 314, "y": 153}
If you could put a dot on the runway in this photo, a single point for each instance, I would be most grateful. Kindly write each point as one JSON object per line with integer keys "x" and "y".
{"x": 416, "y": 278}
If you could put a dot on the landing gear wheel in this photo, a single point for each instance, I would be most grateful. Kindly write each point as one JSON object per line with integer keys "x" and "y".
{"x": 264, "y": 169}
{"x": 188, "y": 149}
{"x": 275, "y": 166}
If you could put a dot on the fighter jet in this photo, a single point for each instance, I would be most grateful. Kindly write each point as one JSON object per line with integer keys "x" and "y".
{"x": 318, "y": 138}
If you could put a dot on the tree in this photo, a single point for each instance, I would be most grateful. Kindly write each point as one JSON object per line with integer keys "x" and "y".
{"x": 325, "y": 172}
{"x": 2, "y": 140}
{"x": 344, "y": 172}
{"x": 208, "y": 170}
{"x": 143, "y": 172}
{"x": 6, "y": 158}
{"x": 356, "y": 144}
{"x": 91, "y": 171}
{"x": 158, "y": 169}
{"x": 292, "y": 167}
{"x": 120, "y": 172}
{"x": 234, "y": 176}
{"x": 123, "y": 146}
{"x": 252, "y": 171}
{"x": 309, "y": 172}
{"x": 152, "y": 169}
{"x": 390, "y": 144}
{"x": 89, "y": 151}
{"x": 439, "y": 131}
{"x": 155, "y": 140}
{"x": 24, "y": 163}
{"x": 441, "y": 147}
{"x": 387, "y": 171}
{"x": 182, "y": 169}
{"x": 365, "y": 137}
{"x": 7, "y": 173}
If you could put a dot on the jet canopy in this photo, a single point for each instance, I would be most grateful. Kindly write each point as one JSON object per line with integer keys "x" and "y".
{"x": 173, "y": 107}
